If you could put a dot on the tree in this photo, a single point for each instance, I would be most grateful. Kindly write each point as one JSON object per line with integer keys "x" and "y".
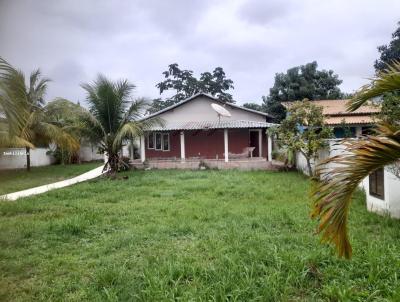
{"x": 301, "y": 82}
{"x": 253, "y": 106}
{"x": 32, "y": 128}
{"x": 304, "y": 131}
{"x": 159, "y": 104}
{"x": 390, "y": 109}
{"x": 67, "y": 116}
{"x": 113, "y": 117}
{"x": 390, "y": 52}
{"x": 333, "y": 188}
{"x": 12, "y": 107}
{"x": 185, "y": 84}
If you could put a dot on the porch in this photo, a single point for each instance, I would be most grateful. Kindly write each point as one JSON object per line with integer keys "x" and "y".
{"x": 216, "y": 142}
{"x": 245, "y": 164}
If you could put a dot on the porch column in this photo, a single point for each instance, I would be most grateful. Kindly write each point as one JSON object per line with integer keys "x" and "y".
{"x": 226, "y": 145}
{"x": 260, "y": 142}
{"x": 183, "y": 146}
{"x": 269, "y": 145}
{"x": 142, "y": 149}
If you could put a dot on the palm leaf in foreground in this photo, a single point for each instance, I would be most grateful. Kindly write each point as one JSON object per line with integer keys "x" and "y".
{"x": 386, "y": 81}
{"x": 331, "y": 194}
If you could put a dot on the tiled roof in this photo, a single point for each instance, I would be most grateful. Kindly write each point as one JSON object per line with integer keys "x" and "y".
{"x": 211, "y": 125}
{"x": 335, "y": 111}
{"x": 350, "y": 119}
{"x": 338, "y": 107}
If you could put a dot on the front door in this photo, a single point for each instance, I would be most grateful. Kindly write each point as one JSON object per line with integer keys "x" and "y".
{"x": 254, "y": 142}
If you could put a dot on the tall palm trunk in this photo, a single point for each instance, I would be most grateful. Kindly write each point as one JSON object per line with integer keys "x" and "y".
{"x": 28, "y": 158}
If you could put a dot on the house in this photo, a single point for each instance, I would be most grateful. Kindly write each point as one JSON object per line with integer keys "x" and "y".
{"x": 358, "y": 123}
{"x": 192, "y": 131}
{"x": 382, "y": 187}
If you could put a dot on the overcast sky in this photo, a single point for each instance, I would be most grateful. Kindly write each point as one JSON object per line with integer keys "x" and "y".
{"x": 72, "y": 41}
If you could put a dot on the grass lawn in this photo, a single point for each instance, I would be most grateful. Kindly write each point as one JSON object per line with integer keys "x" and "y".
{"x": 189, "y": 235}
{"x": 17, "y": 180}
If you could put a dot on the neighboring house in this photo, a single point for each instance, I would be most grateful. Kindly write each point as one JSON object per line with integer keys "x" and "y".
{"x": 192, "y": 130}
{"x": 382, "y": 187}
{"x": 358, "y": 122}
{"x": 383, "y": 192}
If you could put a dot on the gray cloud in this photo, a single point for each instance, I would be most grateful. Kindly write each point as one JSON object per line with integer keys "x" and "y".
{"x": 72, "y": 41}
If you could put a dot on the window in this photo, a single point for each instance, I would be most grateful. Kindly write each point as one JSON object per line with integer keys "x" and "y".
{"x": 165, "y": 142}
{"x": 158, "y": 141}
{"x": 376, "y": 184}
{"x": 150, "y": 140}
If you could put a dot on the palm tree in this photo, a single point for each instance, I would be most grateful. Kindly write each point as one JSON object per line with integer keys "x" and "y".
{"x": 114, "y": 117}
{"x": 24, "y": 112}
{"x": 12, "y": 109}
{"x": 332, "y": 192}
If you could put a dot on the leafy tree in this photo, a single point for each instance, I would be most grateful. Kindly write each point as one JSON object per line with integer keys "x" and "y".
{"x": 304, "y": 81}
{"x": 67, "y": 116}
{"x": 185, "y": 84}
{"x": 390, "y": 52}
{"x": 333, "y": 190}
{"x": 304, "y": 131}
{"x": 390, "y": 101}
{"x": 159, "y": 104}
{"x": 254, "y": 106}
{"x": 114, "y": 117}
{"x": 33, "y": 127}
{"x": 390, "y": 108}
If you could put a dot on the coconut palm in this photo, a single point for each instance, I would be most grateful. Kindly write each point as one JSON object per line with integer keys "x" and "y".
{"x": 24, "y": 122}
{"x": 332, "y": 192}
{"x": 11, "y": 105}
{"x": 114, "y": 117}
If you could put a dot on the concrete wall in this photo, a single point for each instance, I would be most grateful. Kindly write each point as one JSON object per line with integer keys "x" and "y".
{"x": 15, "y": 158}
{"x": 391, "y": 203}
{"x": 334, "y": 148}
{"x": 199, "y": 110}
{"x": 89, "y": 152}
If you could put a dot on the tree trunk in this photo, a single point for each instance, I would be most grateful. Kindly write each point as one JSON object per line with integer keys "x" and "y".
{"x": 28, "y": 158}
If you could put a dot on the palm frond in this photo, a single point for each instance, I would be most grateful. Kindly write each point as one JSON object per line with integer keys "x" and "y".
{"x": 13, "y": 141}
{"x": 57, "y": 135}
{"x": 12, "y": 95}
{"x": 136, "y": 110}
{"x": 332, "y": 193}
{"x": 128, "y": 130}
{"x": 386, "y": 81}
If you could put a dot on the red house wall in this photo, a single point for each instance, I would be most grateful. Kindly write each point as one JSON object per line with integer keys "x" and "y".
{"x": 174, "y": 148}
{"x": 238, "y": 139}
{"x": 206, "y": 144}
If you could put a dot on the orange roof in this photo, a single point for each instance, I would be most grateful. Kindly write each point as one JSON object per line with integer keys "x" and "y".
{"x": 350, "y": 119}
{"x": 338, "y": 107}
{"x": 335, "y": 111}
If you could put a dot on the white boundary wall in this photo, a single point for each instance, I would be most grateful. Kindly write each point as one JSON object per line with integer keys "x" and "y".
{"x": 89, "y": 152}
{"x": 15, "y": 158}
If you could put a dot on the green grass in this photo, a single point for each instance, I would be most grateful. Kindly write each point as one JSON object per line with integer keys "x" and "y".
{"x": 17, "y": 180}
{"x": 189, "y": 235}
